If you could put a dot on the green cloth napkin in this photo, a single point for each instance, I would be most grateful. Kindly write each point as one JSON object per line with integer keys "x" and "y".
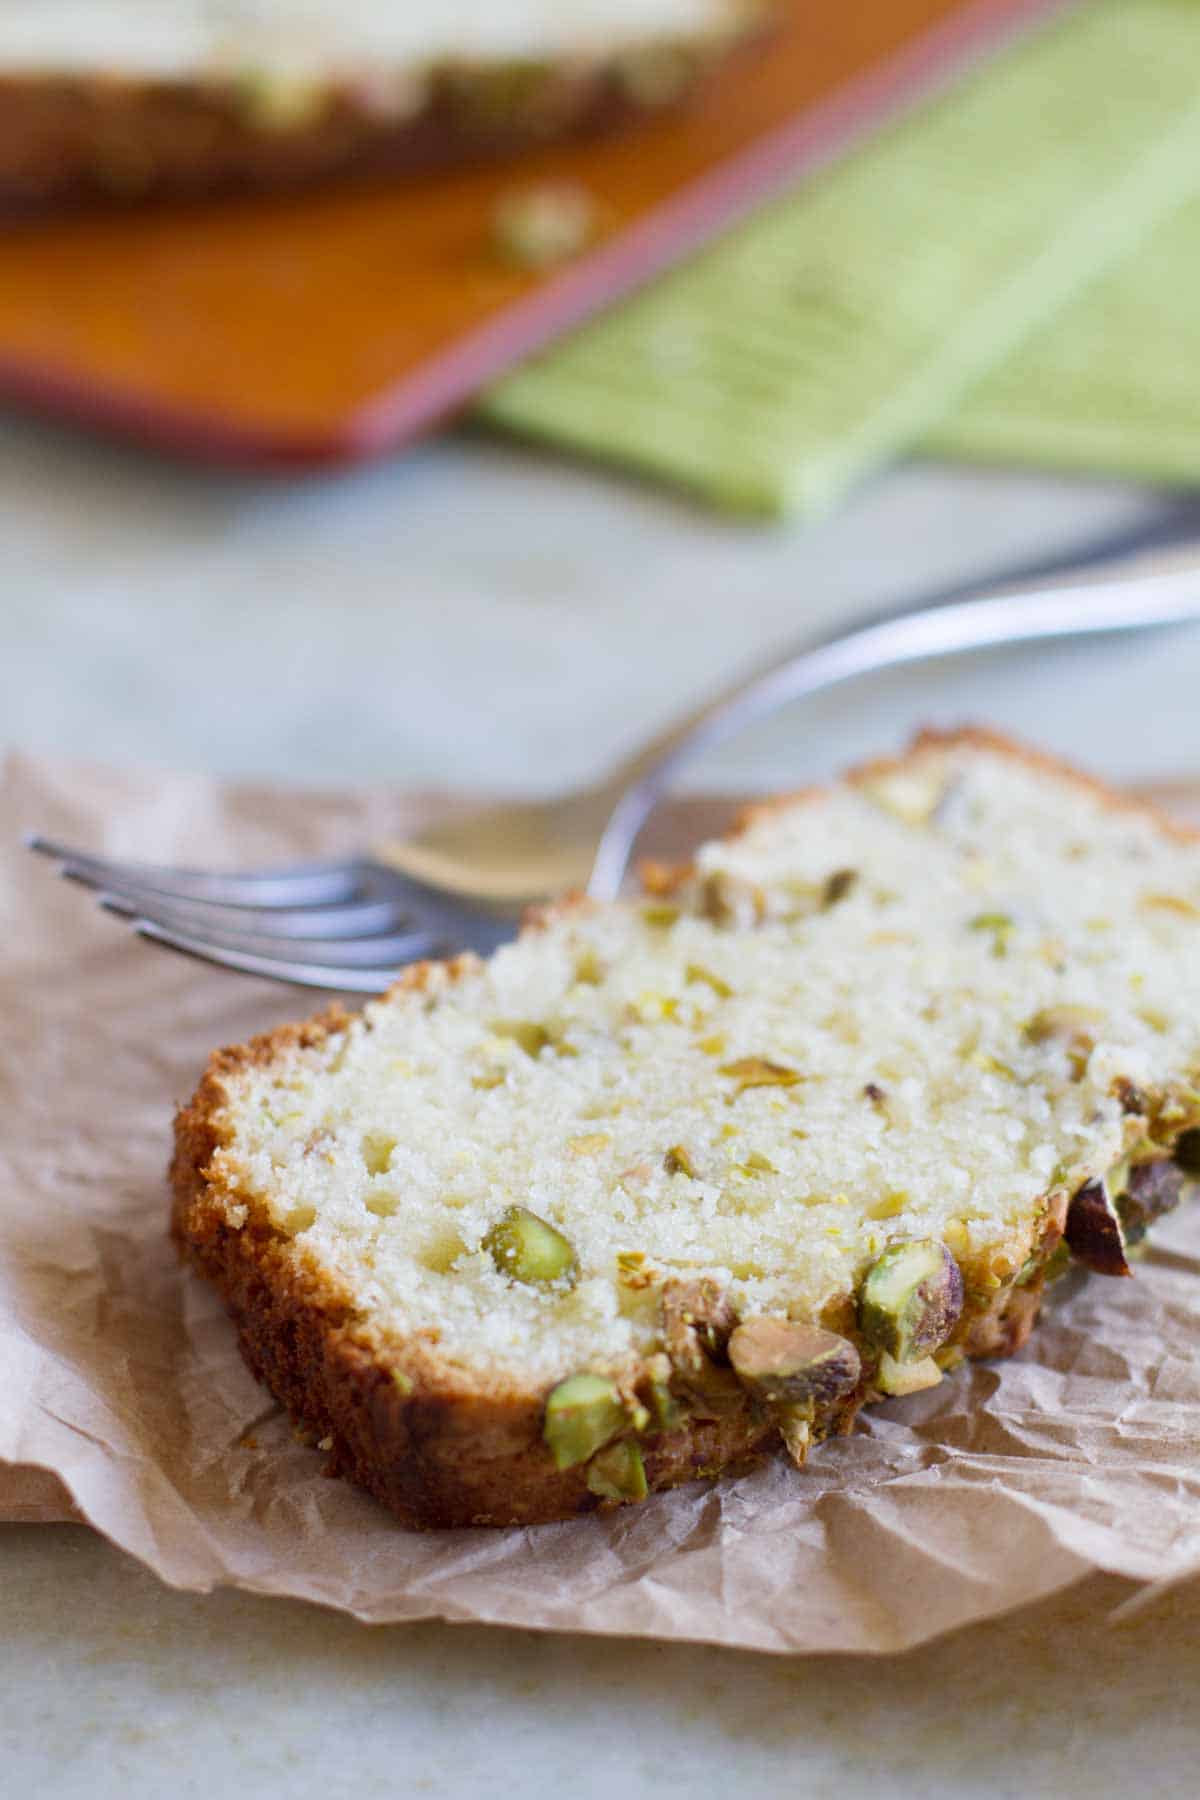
{"x": 1111, "y": 383}
{"x": 1010, "y": 272}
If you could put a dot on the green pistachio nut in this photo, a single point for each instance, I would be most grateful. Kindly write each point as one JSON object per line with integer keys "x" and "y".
{"x": 582, "y": 1414}
{"x": 665, "y": 1411}
{"x": 898, "y": 1378}
{"x": 525, "y": 1248}
{"x": 795, "y": 1428}
{"x": 911, "y": 1299}
{"x": 1062, "y": 1023}
{"x": 1149, "y": 1192}
{"x": 618, "y": 1473}
{"x": 789, "y": 1364}
{"x": 1094, "y": 1232}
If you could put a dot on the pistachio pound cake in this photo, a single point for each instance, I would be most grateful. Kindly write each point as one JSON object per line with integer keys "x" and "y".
{"x": 127, "y": 97}
{"x": 671, "y": 1183}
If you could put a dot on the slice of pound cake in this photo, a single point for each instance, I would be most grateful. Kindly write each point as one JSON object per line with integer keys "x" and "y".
{"x": 670, "y": 1184}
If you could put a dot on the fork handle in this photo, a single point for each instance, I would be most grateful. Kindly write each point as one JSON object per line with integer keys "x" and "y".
{"x": 1129, "y": 595}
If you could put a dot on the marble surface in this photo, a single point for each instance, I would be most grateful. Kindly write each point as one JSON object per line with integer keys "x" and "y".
{"x": 474, "y": 615}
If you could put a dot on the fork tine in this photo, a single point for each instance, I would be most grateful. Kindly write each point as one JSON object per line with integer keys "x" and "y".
{"x": 384, "y": 950}
{"x": 273, "y": 968}
{"x": 346, "y": 919}
{"x": 308, "y": 884}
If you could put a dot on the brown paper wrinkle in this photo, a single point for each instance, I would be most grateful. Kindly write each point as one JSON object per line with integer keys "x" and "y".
{"x": 125, "y": 1401}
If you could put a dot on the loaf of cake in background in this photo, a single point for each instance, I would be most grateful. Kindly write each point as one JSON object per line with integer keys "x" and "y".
{"x": 135, "y": 97}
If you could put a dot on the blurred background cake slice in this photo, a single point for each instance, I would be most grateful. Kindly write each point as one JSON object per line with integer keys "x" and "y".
{"x": 133, "y": 97}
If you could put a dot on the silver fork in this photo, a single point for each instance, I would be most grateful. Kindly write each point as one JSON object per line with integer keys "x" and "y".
{"x": 352, "y": 925}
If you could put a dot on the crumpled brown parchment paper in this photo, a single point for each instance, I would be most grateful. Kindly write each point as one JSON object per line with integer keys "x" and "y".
{"x": 123, "y": 1399}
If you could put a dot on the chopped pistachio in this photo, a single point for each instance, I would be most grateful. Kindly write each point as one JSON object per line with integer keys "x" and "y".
{"x": 697, "y": 1319}
{"x": 912, "y": 794}
{"x": 490, "y": 1078}
{"x": 758, "y": 1164}
{"x": 891, "y": 1206}
{"x": 660, "y": 916}
{"x": 273, "y": 102}
{"x": 759, "y": 1071}
{"x": 582, "y": 1414}
{"x": 991, "y": 1065}
{"x": 1060, "y": 1022}
{"x": 651, "y": 1006}
{"x": 528, "y": 1249}
{"x": 443, "y": 1251}
{"x": 795, "y": 1428}
{"x": 377, "y": 1147}
{"x": 837, "y": 887}
{"x": 532, "y": 1037}
{"x": 618, "y": 1473}
{"x": 1001, "y": 925}
{"x": 899, "y": 1378}
{"x": 1094, "y": 1231}
{"x": 1149, "y": 1191}
{"x": 697, "y": 972}
{"x": 791, "y": 1363}
{"x": 1177, "y": 1112}
{"x": 664, "y": 1410}
{"x": 957, "y": 1236}
{"x": 401, "y": 1382}
{"x": 589, "y": 971}
{"x": 538, "y": 226}
{"x": 911, "y": 1299}
{"x": 807, "y": 897}
{"x": 383, "y": 1205}
{"x": 729, "y": 900}
{"x": 678, "y": 1162}
{"x": 1067, "y": 1025}
{"x": 656, "y": 74}
{"x": 1171, "y": 903}
{"x": 590, "y": 1144}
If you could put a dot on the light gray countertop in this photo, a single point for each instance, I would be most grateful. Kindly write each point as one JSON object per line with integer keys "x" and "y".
{"x": 475, "y": 615}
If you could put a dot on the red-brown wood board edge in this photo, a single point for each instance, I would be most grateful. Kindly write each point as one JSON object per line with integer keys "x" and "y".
{"x": 327, "y": 326}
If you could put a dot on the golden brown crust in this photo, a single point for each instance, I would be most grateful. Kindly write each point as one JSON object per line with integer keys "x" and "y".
{"x": 441, "y": 1445}
{"x": 436, "y": 1447}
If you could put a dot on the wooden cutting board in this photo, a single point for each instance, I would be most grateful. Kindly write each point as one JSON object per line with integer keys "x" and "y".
{"x": 323, "y": 327}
